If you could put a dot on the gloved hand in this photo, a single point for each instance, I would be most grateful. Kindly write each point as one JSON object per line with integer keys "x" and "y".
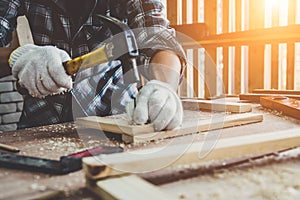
{"x": 40, "y": 70}
{"x": 158, "y": 103}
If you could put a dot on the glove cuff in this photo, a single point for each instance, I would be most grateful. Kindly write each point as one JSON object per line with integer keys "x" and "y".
{"x": 18, "y": 52}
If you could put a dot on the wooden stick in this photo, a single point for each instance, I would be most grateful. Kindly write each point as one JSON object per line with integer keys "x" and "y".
{"x": 211, "y": 105}
{"x": 196, "y": 126}
{"x": 9, "y": 148}
{"x": 140, "y": 161}
{"x": 127, "y": 187}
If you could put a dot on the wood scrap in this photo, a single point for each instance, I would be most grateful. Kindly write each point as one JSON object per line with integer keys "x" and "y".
{"x": 141, "y": 161}
{"x": 288, "y": 106}
{"x": 126, "y": 187}
{"x": 216, "y": 105}
{"x": 195, "y": 126}
{"x": 255, "y": 97}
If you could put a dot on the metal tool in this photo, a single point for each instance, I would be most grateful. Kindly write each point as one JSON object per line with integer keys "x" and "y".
{"x": 65, "y": 165}
{"x": 123, "y": 48}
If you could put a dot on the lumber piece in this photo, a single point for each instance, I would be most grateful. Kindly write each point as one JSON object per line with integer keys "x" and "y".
{"x": 115, "y": 124}
{"x": 288, "y": 106}
{"x": 273, "y": 91}
{"x": 195, "y": 126}
{"x": 216, "y": 105}
{"x": 255, "y": 97}
{"x": 140, "y": 161}
{"x": 126, "y": 187}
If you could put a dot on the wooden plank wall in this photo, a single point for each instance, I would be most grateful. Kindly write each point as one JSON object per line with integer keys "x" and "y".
{"x": 242, "y": 45}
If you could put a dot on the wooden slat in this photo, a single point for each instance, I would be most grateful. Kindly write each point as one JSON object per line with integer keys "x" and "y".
{"x": 127, "y": 187}
{"x": 262, "y": 91}
{"x": 254, "y": 97}
{"x": 196, "y": 73}
{"x": 194, "y": 126}
{"x": 261, "y": 35}
{"x": 292, "y": 10}
{"x": 274, "y": 66}
{"x": 238, "y": 15}
{"x": 115, "y": 164}
{"x": 195, "y": 31}
{"x": 290, "y": 72}
{"x": 237, "y": 69}
{"x": 195, "y": 11}
{"x": 184, "y": 11}
{"x": 288, "y": 106}
{"x": 172, "y": 11}
{"x": 216, "y": 105}
{"x": 225, "y": 75}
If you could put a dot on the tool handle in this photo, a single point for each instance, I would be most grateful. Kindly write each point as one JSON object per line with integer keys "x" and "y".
{"x": 9, "y": 148}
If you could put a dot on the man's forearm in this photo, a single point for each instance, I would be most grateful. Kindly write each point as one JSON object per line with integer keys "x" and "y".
{"x": 166, "y": 66}
{"x": 5, "y": 70}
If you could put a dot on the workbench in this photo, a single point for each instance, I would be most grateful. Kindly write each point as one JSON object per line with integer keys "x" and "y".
{"x": 267, "y": 180}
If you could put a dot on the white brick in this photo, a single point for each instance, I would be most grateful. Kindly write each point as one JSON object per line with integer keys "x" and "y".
{"x": 11, "y": 118}
{"x": 7, "y": 78}
{"x": 20, "y": 106}
{"x": 8, "y": 108}
{"x": 8, "y": 127}
{"x": 6, "y": 86}
{"x": 10, "y": 97}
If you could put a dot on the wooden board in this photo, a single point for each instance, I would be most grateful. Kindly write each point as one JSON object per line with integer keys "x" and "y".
{"x": 216, "y": 105}
{"x": 142, "y": 133}
{"x": 126, "y": 187}
{"x": 255, "y": 97}
{"x": 195, "y": 126}
{"x": 139, "y": 161}
{"x": 287, "y": 106}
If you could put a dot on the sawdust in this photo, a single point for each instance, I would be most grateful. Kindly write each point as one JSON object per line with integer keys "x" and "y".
{"x": 262, "y": 182}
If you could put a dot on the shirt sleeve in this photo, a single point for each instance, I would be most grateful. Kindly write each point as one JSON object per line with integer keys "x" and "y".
{"x": 8, "y": 20}
{"x": 146, "y": 18}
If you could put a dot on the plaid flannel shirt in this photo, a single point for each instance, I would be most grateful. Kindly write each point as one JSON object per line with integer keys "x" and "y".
{"x": 96, "y": 88}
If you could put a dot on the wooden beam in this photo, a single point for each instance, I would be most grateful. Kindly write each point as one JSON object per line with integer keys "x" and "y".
{"x": 216, "y": 105}
{"x": 263, "y": 91}
{"x": 127, "y": 187}
{"x": 288, "y": 106}
{"x": 116, "y": 164}
{"x": 195, "y": 126}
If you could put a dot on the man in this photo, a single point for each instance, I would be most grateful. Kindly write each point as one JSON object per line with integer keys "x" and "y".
{"x": 69, "y": 28}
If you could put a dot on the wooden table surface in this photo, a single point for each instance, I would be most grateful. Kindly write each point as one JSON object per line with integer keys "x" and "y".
{"x": 57, "y": 140}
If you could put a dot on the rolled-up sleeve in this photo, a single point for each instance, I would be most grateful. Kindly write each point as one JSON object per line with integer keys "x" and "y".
{"x": 146, "y": 18}
{"x": 8, "y": 20}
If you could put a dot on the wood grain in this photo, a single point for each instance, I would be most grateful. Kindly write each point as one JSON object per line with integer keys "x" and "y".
{"x": 287, "y": 106}
{"x": 127, "y": 187}
{"x": 211, "y": 105}
{"x": 120, "y": 163}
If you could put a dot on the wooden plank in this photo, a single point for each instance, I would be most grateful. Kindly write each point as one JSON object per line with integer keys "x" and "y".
{"x": 196, "y": 31}
{"x": 216, "y": 105}
{"x": 253, "y": 97}
{"x": 288, "y": 106}
{"x": 143, "y": 133}
{"x": 116, "y": 164}
{"x": 172, "y": 11}
{"x": 290, "y": 72}
{"x": 115, "y": 124}
{"x": 127, "y": 187}
{"x": 237, "y": 70}
{"x": 195, "y": 126}
{"x": 273, "y": 91}
{"x": 275, "y": 66}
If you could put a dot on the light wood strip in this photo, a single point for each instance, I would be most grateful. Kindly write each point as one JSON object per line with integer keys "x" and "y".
{"x": 254, "y": 97}
{"x": 114, "y": 164}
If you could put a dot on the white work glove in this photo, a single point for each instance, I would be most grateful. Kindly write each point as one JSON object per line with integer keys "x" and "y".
{"x": 158, "y": 103}
{"x": 40, "y": 70}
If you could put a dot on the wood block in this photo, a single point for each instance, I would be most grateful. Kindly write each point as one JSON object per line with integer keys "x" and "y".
{"x": 212, "y": 105}
{"x": 255, "y": 97}
{"x": 140, "y": 160}
{"x": 195, "y": 126}
{"x": 288, "y": 106}
{"x": 127, "y": 187}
